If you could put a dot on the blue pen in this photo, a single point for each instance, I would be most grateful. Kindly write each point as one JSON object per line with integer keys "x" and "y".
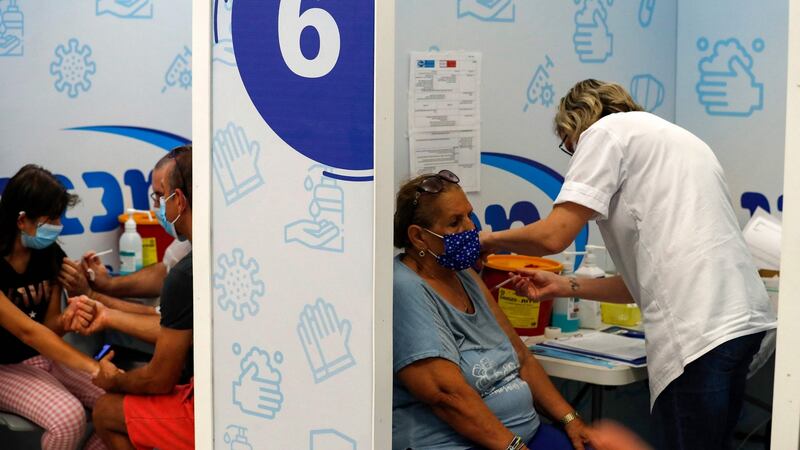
{"x": 102, "y": 352}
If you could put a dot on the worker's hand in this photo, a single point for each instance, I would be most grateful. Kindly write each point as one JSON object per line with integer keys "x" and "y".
{"x": 607, "y": 435}
{"x": 102, "y": 280}
{"x": 487, "y": 247}
{"x": 579, "y": 433}
{"x": 73, "y": 278}
{"x": 539, "y": 285}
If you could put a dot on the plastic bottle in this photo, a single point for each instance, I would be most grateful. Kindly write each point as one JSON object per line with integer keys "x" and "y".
{"x": 565, "y": 312}
{"x": 589, "y": 311}
{"x": 130, "y": 247}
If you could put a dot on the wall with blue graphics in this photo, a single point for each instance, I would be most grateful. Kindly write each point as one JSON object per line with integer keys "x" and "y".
{"x": 708, "y": 66}
{"x": 94, "y": 91}
{"x": 732, "y": 92}
{"x": 533, "y": 52}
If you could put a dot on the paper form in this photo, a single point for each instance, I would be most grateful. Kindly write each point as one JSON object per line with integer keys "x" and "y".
{"x": 763, "y": 237}
{"x": 444, "y": 115}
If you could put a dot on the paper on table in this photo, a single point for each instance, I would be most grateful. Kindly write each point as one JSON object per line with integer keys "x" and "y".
{"x": 763, "y": 237}
{"x": 603, "y": 344}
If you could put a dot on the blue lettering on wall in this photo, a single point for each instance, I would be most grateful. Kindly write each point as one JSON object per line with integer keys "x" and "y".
{"x": 754, "y": 200}
{"x": 135, "y": 180}
{"x": 523, "y": 212}
{"x": 112, "y": 200}
{"x": 71, "y": 224}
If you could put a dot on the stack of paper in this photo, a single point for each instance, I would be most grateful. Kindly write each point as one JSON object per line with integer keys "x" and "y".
{"x": 763, "y": 237}
{"x": 611, "y": 347}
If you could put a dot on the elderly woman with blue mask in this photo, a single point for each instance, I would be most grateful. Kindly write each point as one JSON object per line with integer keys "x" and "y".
{"x": 463, "y": 379}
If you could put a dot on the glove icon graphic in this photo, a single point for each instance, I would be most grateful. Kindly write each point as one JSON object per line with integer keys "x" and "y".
{"x": 593, "y": 42}
{"x": 236, "y": 163}
{"x": 325, "y": 340}
{"x": 223, "y": 41}
{"x": 727, "y": 85}
{"x": 258, "y": 390}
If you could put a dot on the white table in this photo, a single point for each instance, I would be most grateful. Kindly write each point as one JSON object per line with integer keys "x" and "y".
{"x": 595, "y": 377}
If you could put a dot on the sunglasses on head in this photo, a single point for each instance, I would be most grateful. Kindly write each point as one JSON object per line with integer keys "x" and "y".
{"x": 434, "y": 184}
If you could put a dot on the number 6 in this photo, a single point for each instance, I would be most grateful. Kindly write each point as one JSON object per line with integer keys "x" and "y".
{"x": 291, "y": 24}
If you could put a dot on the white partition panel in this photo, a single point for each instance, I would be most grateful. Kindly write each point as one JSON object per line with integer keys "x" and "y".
{"x": 786, "y": 401}
{"x": 300, "y": 154}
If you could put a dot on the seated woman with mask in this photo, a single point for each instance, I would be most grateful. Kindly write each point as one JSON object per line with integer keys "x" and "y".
{"x": 463, "y": 378}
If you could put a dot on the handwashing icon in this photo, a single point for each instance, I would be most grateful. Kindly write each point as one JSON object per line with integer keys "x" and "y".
{"x": 593, "y": 41}
{"x": 180, "y": 71}
{"x": 257, "y": 391}
{"x": 728, "y": 86}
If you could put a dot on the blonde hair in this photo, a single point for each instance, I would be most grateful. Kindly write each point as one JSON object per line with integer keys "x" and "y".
{"x": 586, "y": 103}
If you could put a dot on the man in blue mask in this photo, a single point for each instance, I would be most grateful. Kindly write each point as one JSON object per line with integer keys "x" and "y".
{"x": 148, "y": 407}
{"x": 145, "y": 283}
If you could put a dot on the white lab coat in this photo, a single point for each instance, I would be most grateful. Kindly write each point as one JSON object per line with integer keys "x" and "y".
{"x": 666, "y": 217}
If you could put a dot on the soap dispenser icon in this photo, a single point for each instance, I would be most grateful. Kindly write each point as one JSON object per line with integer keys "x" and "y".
{"x": 236, "y": 438}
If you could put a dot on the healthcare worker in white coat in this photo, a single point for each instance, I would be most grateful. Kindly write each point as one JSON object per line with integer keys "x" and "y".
{"x": 661, "y": 202}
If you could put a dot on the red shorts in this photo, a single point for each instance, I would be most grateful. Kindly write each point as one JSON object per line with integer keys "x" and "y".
{"x": 161, "y": 421}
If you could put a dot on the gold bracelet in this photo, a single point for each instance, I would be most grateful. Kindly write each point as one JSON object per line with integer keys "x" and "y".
{"x": 569, "y": 418}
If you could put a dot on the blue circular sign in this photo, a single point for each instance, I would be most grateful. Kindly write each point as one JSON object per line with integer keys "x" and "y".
{"x": 308, "y": 67}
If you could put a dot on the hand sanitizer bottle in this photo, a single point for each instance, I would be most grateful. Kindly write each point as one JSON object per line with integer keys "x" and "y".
{"x": 589, "y": 312}
{"x": 130, "y": 247}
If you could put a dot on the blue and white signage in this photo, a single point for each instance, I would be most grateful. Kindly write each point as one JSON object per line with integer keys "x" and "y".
{"x": 308, "y": 68}
{"x": 292, "y": 125}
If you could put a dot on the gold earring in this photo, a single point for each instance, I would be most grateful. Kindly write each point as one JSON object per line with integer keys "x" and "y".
{"x": 421, "y": 253}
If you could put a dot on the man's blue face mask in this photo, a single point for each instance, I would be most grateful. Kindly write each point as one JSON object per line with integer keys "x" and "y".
{"x": 161, "y": 215}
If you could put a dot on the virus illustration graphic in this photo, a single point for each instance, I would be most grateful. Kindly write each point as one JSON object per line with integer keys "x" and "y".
{"x": 237, "y": 285}
{"x": 73, "y": 68}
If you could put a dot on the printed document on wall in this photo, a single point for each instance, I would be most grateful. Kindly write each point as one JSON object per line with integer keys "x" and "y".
{"x": 444, "y": 114}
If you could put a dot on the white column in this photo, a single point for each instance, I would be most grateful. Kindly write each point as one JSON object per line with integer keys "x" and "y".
{"x": 201, "y": 222}
{"x": 786, "y": 400}
{"x": 384, "y": 229}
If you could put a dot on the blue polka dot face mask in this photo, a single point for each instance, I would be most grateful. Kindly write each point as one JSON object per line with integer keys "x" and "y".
{"x": 461, "y": 250}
